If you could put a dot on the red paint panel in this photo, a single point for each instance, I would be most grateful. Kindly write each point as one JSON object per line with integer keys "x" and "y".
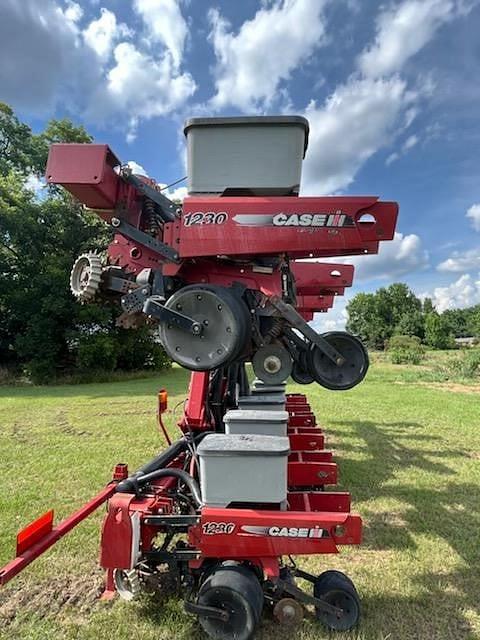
{"x": 247, "y": 226}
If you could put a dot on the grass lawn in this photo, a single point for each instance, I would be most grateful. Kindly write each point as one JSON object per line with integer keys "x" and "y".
{"x": 408, "y": 451}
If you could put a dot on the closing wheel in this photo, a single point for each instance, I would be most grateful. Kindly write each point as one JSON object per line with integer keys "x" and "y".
{"x": 224, "y": 322}
{"x": 338, "y": 590}
{"x": 300, "y": 371}
{"x": 346, "y": 375}
{"x": 86, "y": 276}
{"x": 237, "y": 591}
{"x": 272, "y": 364}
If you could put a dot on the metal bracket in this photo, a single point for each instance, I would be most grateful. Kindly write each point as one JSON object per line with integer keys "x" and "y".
{"x": 295, "y": 319}
{"x": 171, "y": 521}
{"x": 208, "y": 612}
{"x": 153, "y": 309}
{"x": 306, "y": 598}
{"x": 128, "y": 230}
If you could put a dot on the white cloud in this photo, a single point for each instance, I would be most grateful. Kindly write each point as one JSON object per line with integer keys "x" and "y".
{"x": 409, "y": 143}
{"x": 165, "y": 24}
{"x": 73, "y": 12}
{"x": 401, "y": 32}
{"x": 404, "y": 254}
{"x": 252, "y": 63}
{"x": 464, "y": 292}
{"x": 474, "y": 215}
{"x": 461, "y": 261}
{"x": 137, "y": 168}
{"x": 336, "y": 318}
{"x": 356, "y": 121}
{"x": 141, "y": 86}
{"x": 391, "y": 158}
{"x": 101, "y": 34}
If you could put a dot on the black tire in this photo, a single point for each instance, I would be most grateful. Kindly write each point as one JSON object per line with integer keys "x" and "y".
{"x": 301, "y": 375}
{"x": 337, "y": 589}
{"x": 187, "y": 350}
{"x": 326, "y": 575}
{"x": 237, "y": 590}
{"x": 345, "y": 376}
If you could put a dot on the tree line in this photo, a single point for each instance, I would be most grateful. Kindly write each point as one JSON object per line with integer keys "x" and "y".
{"x": 44, "y": 333}
{"x": 396, "y": 310}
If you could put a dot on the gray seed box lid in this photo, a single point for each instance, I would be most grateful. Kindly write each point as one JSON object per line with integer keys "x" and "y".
{"x": 251, "y": 120}
{"x": 255, "y": 415}
{"x": 243, "y": 445}
{"x": 270, "y": 398}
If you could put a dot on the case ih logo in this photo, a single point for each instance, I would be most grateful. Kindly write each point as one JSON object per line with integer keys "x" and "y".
{"x": 286, "y": 532}
{"x": 336, "y": 219}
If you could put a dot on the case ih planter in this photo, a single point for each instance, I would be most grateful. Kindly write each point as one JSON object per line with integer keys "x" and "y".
{"x": 221, "y": 279}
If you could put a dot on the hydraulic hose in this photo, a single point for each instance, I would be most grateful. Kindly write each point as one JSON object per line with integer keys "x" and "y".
{"x": 157, "y": 468}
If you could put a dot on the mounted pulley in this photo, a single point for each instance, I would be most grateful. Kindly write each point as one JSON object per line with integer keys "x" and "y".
{"x": 339, "y": 377}
{"x": 219, "y": 333}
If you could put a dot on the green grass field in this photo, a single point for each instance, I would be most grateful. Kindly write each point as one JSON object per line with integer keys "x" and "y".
{"x": 408, "y": 451}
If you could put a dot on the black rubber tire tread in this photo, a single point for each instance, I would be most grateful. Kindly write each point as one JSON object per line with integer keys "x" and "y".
{"x": 337, "y": 589}
{"x": 237, "y": 587}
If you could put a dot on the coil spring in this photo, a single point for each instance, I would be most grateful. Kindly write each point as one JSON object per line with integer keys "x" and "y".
{"x": 276, "y": 329}
{"x": 152, "y": 220}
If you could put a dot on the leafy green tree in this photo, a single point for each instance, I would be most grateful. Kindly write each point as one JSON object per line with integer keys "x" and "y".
{"x": 42, "y": 329}
{"x": 428, "y": 306}
{"x": 437, "y": 332}
{"x": 391, "y": 310}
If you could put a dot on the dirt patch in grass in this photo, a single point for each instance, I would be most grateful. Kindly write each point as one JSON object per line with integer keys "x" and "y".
{"x": 51, "y": 597}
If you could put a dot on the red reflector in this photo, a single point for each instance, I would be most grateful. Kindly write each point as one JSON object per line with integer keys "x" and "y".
{"x": 34, "y": 532}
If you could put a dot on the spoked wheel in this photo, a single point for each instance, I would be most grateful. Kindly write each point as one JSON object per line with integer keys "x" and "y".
{"x": 338, "y": 590}
{"x": 237, "y": 591}
{"x": 224, "y": 321}
{"x": 346, "y": 375}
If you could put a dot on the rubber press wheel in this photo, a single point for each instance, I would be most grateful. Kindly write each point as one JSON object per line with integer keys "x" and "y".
{"x": 236, "y": 590}
{"x": 346, "y": 375}
{"x": 224, "y": 321}
{"x": 337, "y": 589}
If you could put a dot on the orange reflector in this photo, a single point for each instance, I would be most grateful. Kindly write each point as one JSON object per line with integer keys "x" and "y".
{"x": 162, "y": 401}
{"x": 34, "y": 532}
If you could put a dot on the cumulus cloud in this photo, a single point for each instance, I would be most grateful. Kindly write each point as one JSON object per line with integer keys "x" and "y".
{"x": 101, "y": 34}
{"x": 164, "y": 23}
{"x": 464, "y": 292}
{"x": 137, "y": 168}
{"x": 44, "y": 41}
{"x": 473, "y": 214}
{"x": 368, "y": 111}
{"x": 461, "y": 261}
{"x": 93, "y": 69}
{"x": 402, "y": 31}
{"x": 253, "y": 62}
{"x": 404, "y": 254}
{"x": 355, "y": 121}
{"x": 336, "y": 318}
{"x": 142, "y": 86}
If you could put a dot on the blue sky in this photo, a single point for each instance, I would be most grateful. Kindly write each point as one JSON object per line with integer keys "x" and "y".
{"x": 391, "y": 89}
